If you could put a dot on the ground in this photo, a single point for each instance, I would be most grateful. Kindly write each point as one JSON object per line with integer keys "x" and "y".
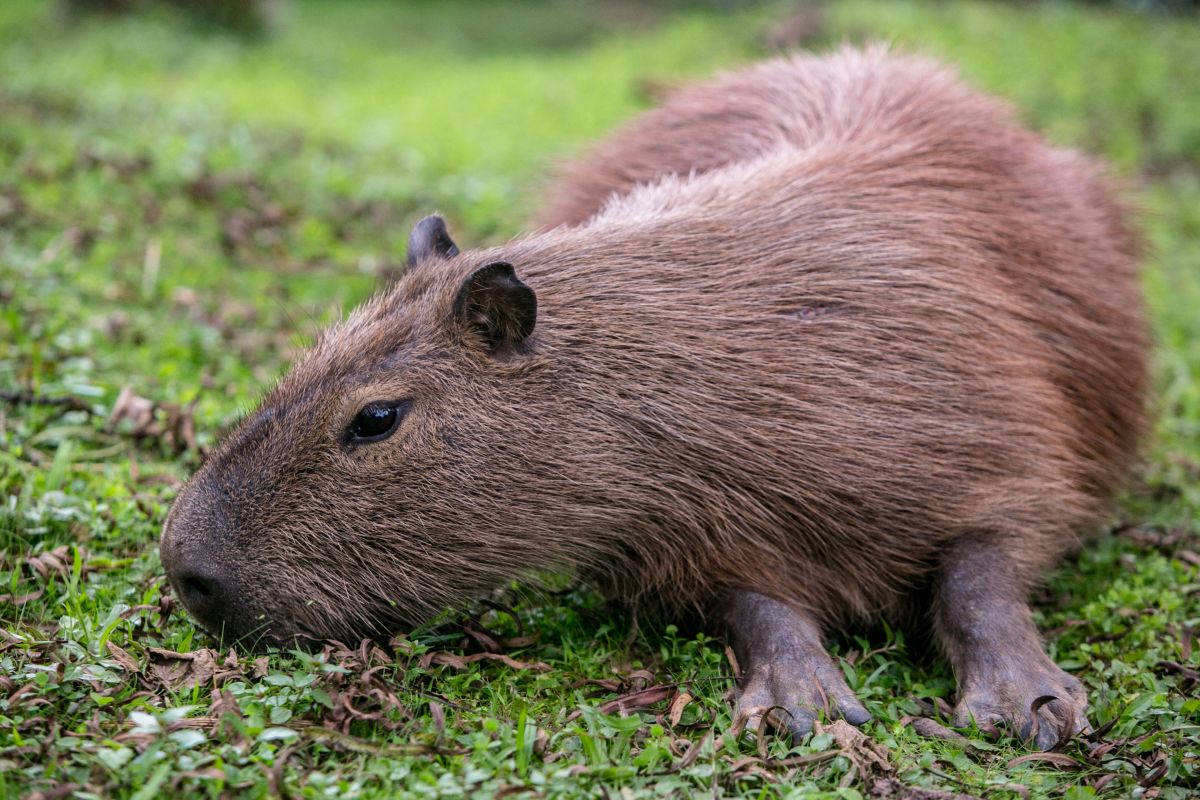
{"x": 180, "y": 210}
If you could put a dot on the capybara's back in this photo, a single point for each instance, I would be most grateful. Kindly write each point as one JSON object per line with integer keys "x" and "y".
{"x": 824, "y": 341}
{"x": 1069, "y": 256}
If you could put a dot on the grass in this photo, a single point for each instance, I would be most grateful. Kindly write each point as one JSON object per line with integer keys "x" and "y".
{"x": 179, "y": 211}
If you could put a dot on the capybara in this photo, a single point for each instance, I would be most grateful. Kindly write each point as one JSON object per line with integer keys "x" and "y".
{"x": 822, "y": 342}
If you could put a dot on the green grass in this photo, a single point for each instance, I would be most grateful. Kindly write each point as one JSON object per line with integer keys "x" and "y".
{"x": 277, "y": 182}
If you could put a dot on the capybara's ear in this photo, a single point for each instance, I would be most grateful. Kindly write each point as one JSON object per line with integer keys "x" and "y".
{"x": 494, "y": 301}
{"x": 428, "y": 239}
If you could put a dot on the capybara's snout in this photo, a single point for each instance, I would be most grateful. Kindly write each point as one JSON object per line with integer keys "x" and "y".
{"x": 200, "y": 559}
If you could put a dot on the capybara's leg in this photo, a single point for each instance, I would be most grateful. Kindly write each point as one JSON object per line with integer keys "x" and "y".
{"x": 984, "y": 624}
{"x": 784, "y": 666}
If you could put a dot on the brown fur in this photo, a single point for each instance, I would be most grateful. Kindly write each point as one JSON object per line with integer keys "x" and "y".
{"x": 800, "y": 330}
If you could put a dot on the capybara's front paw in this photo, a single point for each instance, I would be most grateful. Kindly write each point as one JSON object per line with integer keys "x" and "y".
{"x": 788, "y": 675}
{"x": 1006, "y": 696}
{"x": 795, "y": 689}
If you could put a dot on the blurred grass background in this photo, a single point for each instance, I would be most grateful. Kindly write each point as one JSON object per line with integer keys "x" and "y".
{"x": 181, "y": 205}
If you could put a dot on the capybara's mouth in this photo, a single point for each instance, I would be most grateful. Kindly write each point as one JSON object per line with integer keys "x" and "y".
{"x": 266, "y": 636}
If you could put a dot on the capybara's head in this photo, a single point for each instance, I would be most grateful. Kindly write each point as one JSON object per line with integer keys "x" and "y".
{"x": 372, "y": 487}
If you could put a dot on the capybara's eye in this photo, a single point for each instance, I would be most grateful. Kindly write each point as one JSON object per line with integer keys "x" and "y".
{"x": 376, "y": 421}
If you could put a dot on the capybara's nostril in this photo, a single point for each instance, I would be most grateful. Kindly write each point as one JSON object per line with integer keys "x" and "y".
{"x": 203, "y": 595}
{"x": 198, "y": 587}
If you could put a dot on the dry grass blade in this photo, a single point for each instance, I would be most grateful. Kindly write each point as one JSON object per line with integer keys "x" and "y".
{"x": 897, "y": 789}
{"x": 935, "y": 707}
{"x": 1189, "y": 557}
{"x": 1054, "y": 633}
{"x": 276, "y": 784}
{"x": 932, "y": 729}
{"x": 1188, "y": 676}
{"x": 1154, "y": 777}
{"x": 608, "y": 684}
{"x": 733, "y": 663}
{"x": 442, "y": 657}
{"x": 802, "y": 761}
{"x": 485, "y": 639}
{"x": 57, "y": 793}
{"x": 517, "y": 642}
{"x": 356, "y": 745}
{"x": 22, "y": 599}
{"x": 641, "y": 678}
{"x": 439, "y": 722}
{"x": 635, "y": 700}
{"x": 1102, "y": 731}
{"x": 129, "y": 612}
{"x": 693, "y": 753}
{"x": 1057, "y": 759}
{"x": 641, "y": 698}
{"x": 19, "y": 693}
{"x": 69, "y": 402}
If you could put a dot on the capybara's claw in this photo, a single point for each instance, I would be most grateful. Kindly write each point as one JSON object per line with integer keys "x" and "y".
{"x": 1041, "y": 705}
{"x": 797, "y": 692}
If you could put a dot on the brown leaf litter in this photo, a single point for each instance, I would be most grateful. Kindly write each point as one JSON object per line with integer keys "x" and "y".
{"x": 172, "y": 424}
{"x": 865, "y": 754}
{"x": 186, "y": 671}
{"x": 444, "y": 658}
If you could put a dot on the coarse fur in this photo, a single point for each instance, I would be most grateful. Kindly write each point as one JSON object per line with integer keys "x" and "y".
{"x": 799, "y": 331}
